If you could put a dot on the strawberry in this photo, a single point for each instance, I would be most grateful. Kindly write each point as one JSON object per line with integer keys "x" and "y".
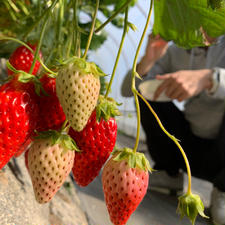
{"x": 50, "y": 160}
{"x": 18, "y": 113}
{"x": 96, "y": 141}
{"x": 22, "y": 59}
{"x": 125, "y": 181}
{"x": 51, "y": 114}
{"x": 77, "y": 87}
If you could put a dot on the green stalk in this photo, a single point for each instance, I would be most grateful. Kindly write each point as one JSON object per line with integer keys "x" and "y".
{"x": 36, "y": 54}
{"x": 133, "y": 77}
{"x": 40, "y": 18}
{"x": 123, "y": 7}
{"x": 75, "y": 28}
{"x": 171, "y": 137}
{"x": 119, "y": 52}
{"x": 92, "y": 30}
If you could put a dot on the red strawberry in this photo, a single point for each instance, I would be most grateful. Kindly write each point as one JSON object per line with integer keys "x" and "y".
{"x": 50, "y": 160}
{"x": 96, "y": 141}
{"x": 22, "y": 59}
{"x": 51, "y": 115}
{"x": 18, "y": 117}
{"x": 125, "y": 181}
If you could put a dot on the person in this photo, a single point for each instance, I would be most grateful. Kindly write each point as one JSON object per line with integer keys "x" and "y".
{"x": 195, "y": 77}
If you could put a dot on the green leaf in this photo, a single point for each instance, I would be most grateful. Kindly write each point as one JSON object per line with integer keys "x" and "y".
{"x": 188, "y": 22}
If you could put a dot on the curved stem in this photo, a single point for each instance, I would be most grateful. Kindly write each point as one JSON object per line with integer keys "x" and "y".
{"x": 92, "y": 30}
{"x": 134, "y": 73}
{"x": 28, "y": 47}
{"x": 171, "y": 137}
{"x": 119, "y": 52}
{"x": 113, "y": 16}
{"x": 39, "y": 44}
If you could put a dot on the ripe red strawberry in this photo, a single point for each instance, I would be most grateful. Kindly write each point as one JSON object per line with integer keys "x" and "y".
{"x": 50, "y": 160}
{"x": 125, "y": 181}
{"x": 96, "y": 141}
{"x": 18, "y": 113}
{"x": 51, "y": 115}
{"x": 22, "y": 58}
{"x": 77, "y": 87}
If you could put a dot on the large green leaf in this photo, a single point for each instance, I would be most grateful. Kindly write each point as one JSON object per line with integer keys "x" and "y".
{"x": 187, "y": 22}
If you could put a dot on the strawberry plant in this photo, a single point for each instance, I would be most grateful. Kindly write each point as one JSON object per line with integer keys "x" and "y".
{"x": 65, "y": 92}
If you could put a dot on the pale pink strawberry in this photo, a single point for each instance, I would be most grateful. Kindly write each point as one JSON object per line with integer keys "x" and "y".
{"x": 125, "y": 181}
{"x": 77, "y": 88}
{"x": 50, "y": 162}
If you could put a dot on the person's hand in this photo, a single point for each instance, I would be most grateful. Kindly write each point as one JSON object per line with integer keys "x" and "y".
{"x": 156, "y": 48}
{"x": 184, "y": 84}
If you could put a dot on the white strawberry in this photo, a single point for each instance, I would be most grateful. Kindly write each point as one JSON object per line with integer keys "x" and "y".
{"x": 77, "y": 87}
{"x": 49, "y": 163}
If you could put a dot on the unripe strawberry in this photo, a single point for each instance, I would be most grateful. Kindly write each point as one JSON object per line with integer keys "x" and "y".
{"x": 49, "y": 162}
{"x": 125, "y": 181}
{"x": 77, "y": 87}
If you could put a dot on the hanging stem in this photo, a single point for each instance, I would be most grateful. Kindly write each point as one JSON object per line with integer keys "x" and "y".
{"x": 75, "y": 28}
{"x": 39, "y": 44}
{"x": 40, "y": 18}
{"x": 92, "y": 30}
{"x": 171, "y": 137}
{"x": 119, "y": 52}
{"x": 133, "y": 77}
{"x": 124, "y": 6}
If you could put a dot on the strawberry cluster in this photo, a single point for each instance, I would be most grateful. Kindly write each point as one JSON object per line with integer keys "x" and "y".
{"x": 68, "y": 114}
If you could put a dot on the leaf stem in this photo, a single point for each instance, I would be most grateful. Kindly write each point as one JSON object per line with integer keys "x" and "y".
{"x": 92, "y": 30}
{"x": 75, "y": 28}
{"x": 171, "y": 137}
{"x": 124, "y": 6}
{"x": 119, "y": 52}
{"x": 133, "y": 77}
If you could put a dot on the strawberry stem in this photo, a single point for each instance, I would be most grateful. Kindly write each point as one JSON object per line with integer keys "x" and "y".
{"x": 92, "y": 30}
{"x": 124, "y": 6}
{"x": 171, "y": 137}
{"x": 75, "y": 29}
{"x": 39, "y": 43}
{"x": 40, "y": 18}
{"x": 133, "y": 77}
{"x": 119, "y": 52}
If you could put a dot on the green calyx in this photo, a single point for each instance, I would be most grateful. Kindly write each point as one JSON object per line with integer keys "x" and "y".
{"x": 106, "y": 108}
{"x": 190, "y": 205}
{"x": 134, "y": 159}
{"x": 24, "y": 77}
{"x": 59, "y": 138}
{"x": 85, "y": 67}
